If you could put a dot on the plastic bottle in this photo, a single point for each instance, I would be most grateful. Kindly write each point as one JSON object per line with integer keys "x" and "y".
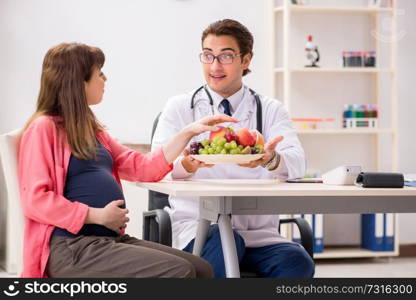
{"x": 347, "y": 116}
{"x": 369, "y": 58}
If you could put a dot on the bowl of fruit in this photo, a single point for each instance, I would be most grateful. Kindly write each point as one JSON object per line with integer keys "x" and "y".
{"x": 226, "y": 146}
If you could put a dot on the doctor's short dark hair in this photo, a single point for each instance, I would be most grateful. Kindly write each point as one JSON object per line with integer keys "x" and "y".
{"x": 235, "y": 29}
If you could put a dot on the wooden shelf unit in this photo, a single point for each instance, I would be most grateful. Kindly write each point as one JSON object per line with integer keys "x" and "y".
{"x": 287, "y": 71}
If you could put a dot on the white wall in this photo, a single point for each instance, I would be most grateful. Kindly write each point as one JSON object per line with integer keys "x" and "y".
{"x": 151, "y": 52}
{"x": 151, "y": 49}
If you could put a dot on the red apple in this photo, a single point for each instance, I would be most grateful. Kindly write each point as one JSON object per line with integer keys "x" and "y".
{"x": 219, "y": 133}
{"x": 245, "y": 138}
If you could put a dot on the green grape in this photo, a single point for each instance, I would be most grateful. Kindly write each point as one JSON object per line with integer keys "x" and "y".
{"x": 211, "y": 150}
{"x": 233, "y": 145}
{"x": 205, "y": 143}
{"x": 227, "y": 146}
{"x": 218, "y": 149}
{"x": 259, "y": 149}
{"x": 223, "y": 151}
{"x": 215, "y": 140}
{"x": 241, "y": 147}
{"x": 203, "y": 151}
{"x": 234, "y": 151}
{"x": 213, "y": 144}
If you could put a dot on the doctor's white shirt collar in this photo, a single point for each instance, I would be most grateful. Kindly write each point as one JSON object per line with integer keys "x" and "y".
{"x": 235, "y": 99}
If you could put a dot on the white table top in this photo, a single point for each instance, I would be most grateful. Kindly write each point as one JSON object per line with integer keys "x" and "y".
{"x": 254, "y": 187}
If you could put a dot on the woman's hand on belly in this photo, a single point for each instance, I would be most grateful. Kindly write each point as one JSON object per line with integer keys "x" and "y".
{"x": 111, "y": 216}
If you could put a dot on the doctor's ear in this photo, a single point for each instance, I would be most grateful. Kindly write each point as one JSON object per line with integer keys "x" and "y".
{"x": 246, "y": 60}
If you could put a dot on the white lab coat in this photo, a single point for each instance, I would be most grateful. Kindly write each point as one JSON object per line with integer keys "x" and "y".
{"x": 257, "y": 231}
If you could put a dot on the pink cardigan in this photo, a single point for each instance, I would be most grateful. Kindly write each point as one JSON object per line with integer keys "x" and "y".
{"x": 43, "y": 162}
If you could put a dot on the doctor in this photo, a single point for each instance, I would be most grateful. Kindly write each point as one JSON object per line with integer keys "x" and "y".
{"x": 227, "y": 50}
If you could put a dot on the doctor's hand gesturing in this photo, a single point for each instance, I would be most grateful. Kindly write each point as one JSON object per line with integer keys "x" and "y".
{"x": 270, "y": 154}
{"x": 178, "y": 143}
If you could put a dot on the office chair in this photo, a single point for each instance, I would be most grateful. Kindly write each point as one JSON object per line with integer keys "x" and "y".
{"x": 12, "y": 213}
{"x": 157, "y": 225}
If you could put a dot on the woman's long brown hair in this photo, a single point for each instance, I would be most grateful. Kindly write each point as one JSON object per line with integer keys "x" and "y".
{"x": 66, "y": 68}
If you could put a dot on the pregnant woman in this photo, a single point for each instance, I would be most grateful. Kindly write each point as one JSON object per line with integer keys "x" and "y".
{"x": 69, "y": 174}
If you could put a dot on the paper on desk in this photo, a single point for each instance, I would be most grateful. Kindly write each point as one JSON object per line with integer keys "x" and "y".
{"x": 410, "y": 180}
{"x": 410, "y": 183}
{"x": 410, "y": 177}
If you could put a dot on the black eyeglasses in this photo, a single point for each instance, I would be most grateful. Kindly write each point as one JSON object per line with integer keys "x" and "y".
{"x": 224, "y": 59}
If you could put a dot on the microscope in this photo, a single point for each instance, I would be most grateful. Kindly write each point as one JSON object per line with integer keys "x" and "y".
{"x": 312, "y": 53}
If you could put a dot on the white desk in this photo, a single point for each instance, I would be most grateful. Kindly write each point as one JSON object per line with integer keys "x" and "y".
{"x": 219, "y": 199}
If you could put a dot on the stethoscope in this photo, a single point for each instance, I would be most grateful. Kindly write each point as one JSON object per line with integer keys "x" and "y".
{"x": 211, "y": 102}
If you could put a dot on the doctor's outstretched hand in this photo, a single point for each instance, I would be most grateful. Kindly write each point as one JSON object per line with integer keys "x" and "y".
{"x": 178, "y": 143}
{"x": 269, "y": 154}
